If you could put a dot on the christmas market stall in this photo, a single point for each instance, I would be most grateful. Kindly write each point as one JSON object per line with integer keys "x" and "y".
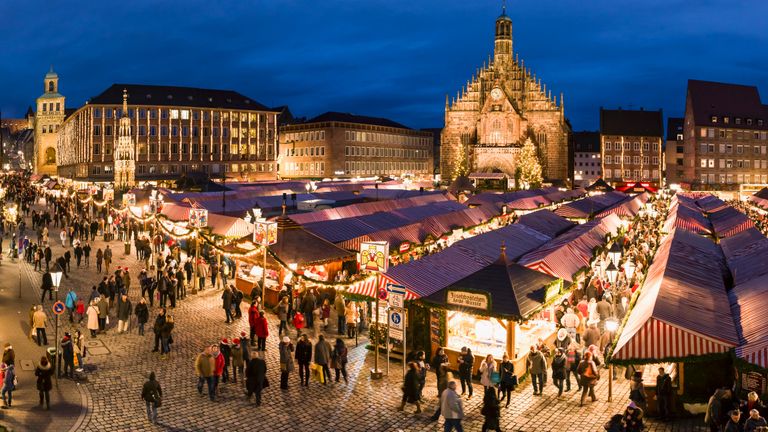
{"x": 502, "y": 308}
{"x": 681, "y": 320}
{"x": 584, "y": 209}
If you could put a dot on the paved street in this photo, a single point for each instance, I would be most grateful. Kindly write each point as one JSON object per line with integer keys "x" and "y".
{"x": 111, "y": 395}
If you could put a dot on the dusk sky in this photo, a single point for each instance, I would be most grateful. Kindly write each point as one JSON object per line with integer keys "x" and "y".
{"x": 388, "y": 58}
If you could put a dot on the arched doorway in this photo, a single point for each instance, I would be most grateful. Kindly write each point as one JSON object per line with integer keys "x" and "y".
{"x": 50, "y": 156}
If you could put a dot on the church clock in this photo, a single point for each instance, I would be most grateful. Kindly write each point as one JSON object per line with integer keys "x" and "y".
{"x": 496, "y": 93}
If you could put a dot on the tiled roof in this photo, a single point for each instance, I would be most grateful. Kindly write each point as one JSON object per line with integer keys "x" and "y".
{"x": 142, "y": 94}
{"x": 586, "y": 141}
{"x": 332, "y": 116}
{"x": 710, "y": 99}
{"x": 631, "y": 122}
{"x": 674, "y": 127}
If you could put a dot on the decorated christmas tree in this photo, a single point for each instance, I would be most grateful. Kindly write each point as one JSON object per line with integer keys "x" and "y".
{"x": 530, "y": 168}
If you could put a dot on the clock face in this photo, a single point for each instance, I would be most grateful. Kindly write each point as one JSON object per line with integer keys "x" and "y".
{"x": 496, "y": 93}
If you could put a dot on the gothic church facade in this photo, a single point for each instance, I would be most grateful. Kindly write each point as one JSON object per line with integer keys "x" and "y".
{"x": 502, "y": 105}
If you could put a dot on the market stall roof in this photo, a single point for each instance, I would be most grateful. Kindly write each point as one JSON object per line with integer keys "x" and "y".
{"x": 728, "y": 221}
{"x": 741, "y": 243}
{"x": 749, "y": 301}
{"x": 295, "y": 245}
{"x": 600, "y": 185}
{"x": 433, "y": 272}
{"x": 498, "y": 197}
{"x": 565, "y": 195}
{"x": 565, "y": 255}
{"x": 759, "y": 201}
{"x": 628, "y": 208}
{"x": 587, "y": 207}
{"x": 515, "y": 292}
{"x": 417, "y": 232}
{"x": 488, "y": 175}
{"x": 225, "y": 226}
{"x": 685, "y": 214}
{"x": 762, "y": 193}
{"x": 363, "y": 209}
{"x": 749, "y": 263}
{"x": 546, "y": 222}
{"x": 711, "y": 203}
{"x": 528, "y": 203}
{"x": 682, "y": 307}
{"x": 756, "y": 353}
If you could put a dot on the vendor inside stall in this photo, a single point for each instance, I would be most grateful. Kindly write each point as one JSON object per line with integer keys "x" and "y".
{"x": 502, "y": 308}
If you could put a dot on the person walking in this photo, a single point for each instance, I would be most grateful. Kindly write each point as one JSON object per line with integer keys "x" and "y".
{"x": 9, "y": 354}
{"x": 253, "y": 316}
{"x": 507, "y": 377}
{"x": 303, "y": 358}
{"x": 8, "y": 373}
{"x": 103, "y": 313}
{"x": 573, "y": 358}
{"x": 205, "y": 366}
{"x": 537, "y": 367}
{"x": 166, "y": 337}
{"x": 237, "y": 360}
{"x": 68, "y": 355}
{"x": 107, "y": 258}
{"x": 341, "y": 321}
{"x": 152, "y": 394}
{"x": 70, "y": 301}
{"x": 46, "y": 286}
{"x": 124, "y": 310}
{"x": 339, "y": 359}
{"x": 262, "y": 332}
{"x": 255, "y": 378}
{"x": 491, "y": 411}
{"x": 298, "y": 322}
{"x": 588, "y": 375}
{"x": 411, "y": 387}
{"x": 286, "y": 361}
{"x": 440, "y": 365}
{"x": 466, "y": 363}
{"x": 93, "y": 318}
{"x": 487, "y": 370}
{"x": 282, "y": 315}
{"x": 44, "y": 372}
{"x": 226, "y": 299}
{"x": 352, "y": 316}
{"x": 99, "y": 259}
{"x": 322, "y": 356}
{"x": 38, "y": 320}
{"x": 142, "y": 315}
{"x": 452, "y": 408}
{"x": 226, "y": 353}
{"x": 157, "y": 328}
{"x": 559, "y": 364}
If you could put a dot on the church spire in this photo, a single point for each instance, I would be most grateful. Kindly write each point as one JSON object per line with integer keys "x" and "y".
{"x": 502, "y": 49}
{"x": 125, "y": 102}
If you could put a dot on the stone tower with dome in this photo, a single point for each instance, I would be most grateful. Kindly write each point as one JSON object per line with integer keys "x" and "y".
{"x": 490, "y": 118}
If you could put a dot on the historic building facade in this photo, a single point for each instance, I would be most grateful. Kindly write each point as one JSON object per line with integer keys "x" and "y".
{"x": 48, "y": 119}
{"x": 502, "y": 105}
{"x": 174, "y": 131}
{"x": 631, "y": 143}
{"x": 725, "y": 136}
{"x": 587, "y": 165}
{"x": 337, "y": 144}
{"x": 673, "y": 150}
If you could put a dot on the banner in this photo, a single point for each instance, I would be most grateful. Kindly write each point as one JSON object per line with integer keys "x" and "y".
{"x": 374, "y": 256}
{"x": 198, "y": 218}
{"x": 265, "y": 233}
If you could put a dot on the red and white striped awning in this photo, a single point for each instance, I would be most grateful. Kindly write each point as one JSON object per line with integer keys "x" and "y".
{"x": 370, "y": 287}
{"x": 756, "y": 353}
{"x": 658, "y": 340}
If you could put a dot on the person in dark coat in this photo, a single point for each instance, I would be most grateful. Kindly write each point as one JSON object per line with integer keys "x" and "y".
{"x": 411, "y": 387}
{"x": 142, "y": 315}
{"x": 152, "y": 395}
{"x": 466, "y": 363}
{"x": 47, "y": 285}
{"x": 226, "y": 298}
{"x": 303, "y": 358}
{"x": 719, "y": 404}
{"x": 559, "y": 363}
{"x": 157, "y": 328}
{"x": 43, "y": 372}
{"x": 68, "y": 354}
{"x": 255, "y": 377}
{"x": 491, "y": 411}
{"x": 339, "y": 360}
{"x": 733, "y": 424}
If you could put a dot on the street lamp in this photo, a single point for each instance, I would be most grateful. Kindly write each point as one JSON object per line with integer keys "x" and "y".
{"x": 198, "y": 218}
{"x": 264, "y": 234}
{"x": 56, "y": 280}
{"x": 629, "y": 269}
{"x": 614, "y": 253}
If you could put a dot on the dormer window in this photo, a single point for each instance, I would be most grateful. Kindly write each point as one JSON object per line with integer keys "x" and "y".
{"x": 726, "y": 120}
{"x": 759, "y": 122}
{"x": 714, "y": 119}
{"x": 149, "y": 96}
{"x": 170, "y": 97}
{"x": 190, "y": 97}
{"x": 738, "y": 120}
{"x": 749, "y": 121}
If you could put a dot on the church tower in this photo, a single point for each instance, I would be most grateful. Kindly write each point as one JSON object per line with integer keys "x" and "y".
{"x": 502, "y": 48}
{"x": 47, "y": 120}
{"x": 124, "y": 154}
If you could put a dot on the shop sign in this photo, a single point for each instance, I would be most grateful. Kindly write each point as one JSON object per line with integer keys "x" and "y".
{"x": 404, "y": 247}
{"x": 198, "y": 218}
{"x": 374, "y": 256}
{"x": 396, "y": 295}
{"x": 753, "y": 381}
{"x": 129, "y": 199}
{"x": 396, "y": 324}
{"x": 265, "y": 233}
{"x": 467, "y": 299}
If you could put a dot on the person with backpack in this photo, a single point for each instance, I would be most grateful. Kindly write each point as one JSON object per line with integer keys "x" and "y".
{"x": 339, "y": 360}
{"x": 153, "y": 396}
{"x": 70, "y": 302}
{"x": 9, "y": 384}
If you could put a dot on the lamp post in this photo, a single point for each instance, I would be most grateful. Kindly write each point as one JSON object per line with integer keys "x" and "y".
{"x": 198, "y": 218}
{"x": 629, "y": 269}
{"x": 614, "y": 253}
{"x": 264, "y": 234}
{"x": 612, "y": 272}
{"x": 56, "y": 279}
{"x": 611, "y": 325}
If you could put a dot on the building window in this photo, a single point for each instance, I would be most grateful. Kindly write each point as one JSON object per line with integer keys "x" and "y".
{"x": 108, "y": 112}
{"x": 714, "y": 119}
{"x": 96, "y": 149}
{"x": 97, "y": 130}
{"x": 185, "y": 114}
{"x": 185, "y": 131}
{"x": 142, "y": 130}
{"x": 174, "y": 131}
{"x": 645, "y": 160}
{"x": 97, "y": 113}
{"x": 608, "y": 160}
{"x": 152, "y": 114}
{"x": 153, "y": 131}
{"x": 108, "y": 130}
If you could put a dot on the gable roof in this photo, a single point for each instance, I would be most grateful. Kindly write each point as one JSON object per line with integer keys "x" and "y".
{"x": 631, "y": 122}
{"x": 143, "y": 94}
{"x": 333, "y": 116}
{"x": 586, "y": 141}
{"x": 674, "y": 127}
{"x": 709, "y": 99}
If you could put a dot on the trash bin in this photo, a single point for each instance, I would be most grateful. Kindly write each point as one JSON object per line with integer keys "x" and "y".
{"x": 51, "y": 353}
{"x": 127, "y": 248}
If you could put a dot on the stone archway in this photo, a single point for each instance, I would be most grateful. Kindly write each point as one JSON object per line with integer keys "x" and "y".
{"x": 50, "y": 156}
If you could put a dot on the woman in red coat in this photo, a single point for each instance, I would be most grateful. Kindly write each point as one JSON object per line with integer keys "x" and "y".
{"x": 262, "y": 331}
{"x": 253, "y": 316}
{"x": 299, "y": 322}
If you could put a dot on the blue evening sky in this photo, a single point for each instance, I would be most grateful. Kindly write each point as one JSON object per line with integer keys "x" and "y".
{"x": 388, "y": 58}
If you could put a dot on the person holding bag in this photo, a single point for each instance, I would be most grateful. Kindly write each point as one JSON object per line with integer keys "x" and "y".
{"x": 589, "y": 375}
